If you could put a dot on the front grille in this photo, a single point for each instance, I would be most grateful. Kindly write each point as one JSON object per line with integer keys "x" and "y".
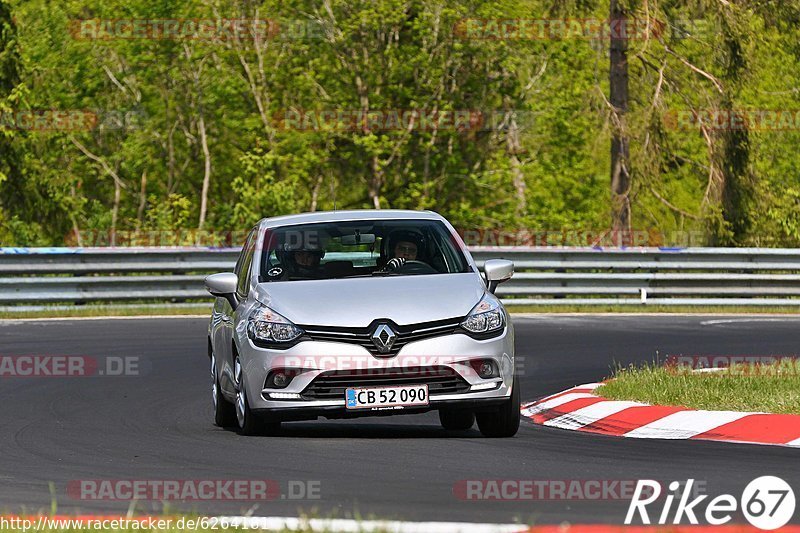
{"x": 363, "y": 336}
{"x": 332, "y": 384}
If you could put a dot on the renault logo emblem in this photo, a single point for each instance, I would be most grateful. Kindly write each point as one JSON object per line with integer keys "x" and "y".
{"x": 383, "y": 338}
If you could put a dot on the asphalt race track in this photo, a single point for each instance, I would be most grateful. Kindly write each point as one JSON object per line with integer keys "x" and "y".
{"x": 158, "y": 426}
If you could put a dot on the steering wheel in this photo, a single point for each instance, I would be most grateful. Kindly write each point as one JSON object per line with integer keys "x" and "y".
{"x": 415, "y": 267}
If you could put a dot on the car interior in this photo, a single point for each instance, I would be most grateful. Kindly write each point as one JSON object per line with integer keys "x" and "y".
{"x": 346, "y": 250}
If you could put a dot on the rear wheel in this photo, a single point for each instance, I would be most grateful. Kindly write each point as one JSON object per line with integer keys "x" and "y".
{"x": 224, "y": 411}
{"x": 456, "y": 420}
{"x": 504, "y": 421}
{"x": 248, "y": 423}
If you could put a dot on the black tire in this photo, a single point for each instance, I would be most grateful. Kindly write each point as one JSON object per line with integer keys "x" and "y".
{"x": 504, "y": 421}
{"x": 224, "y": 411}
{"x": 247, "y": 423}
{"x": 456, "y": 420}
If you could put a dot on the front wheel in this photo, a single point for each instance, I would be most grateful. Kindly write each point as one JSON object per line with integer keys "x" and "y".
{"x": 248, "y": 423}
{"x": 456, "y": 420}
{"x": 503, "y": 421}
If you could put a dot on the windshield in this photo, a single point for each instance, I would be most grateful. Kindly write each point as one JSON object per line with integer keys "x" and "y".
{"x": 363, "y": 248}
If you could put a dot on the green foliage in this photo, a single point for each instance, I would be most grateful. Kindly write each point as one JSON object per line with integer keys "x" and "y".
{"x": 261, "y": 193}
{"x": 174, "y": 113}
{"x": 172, "y": 213}
{"x": 784, "y": 215}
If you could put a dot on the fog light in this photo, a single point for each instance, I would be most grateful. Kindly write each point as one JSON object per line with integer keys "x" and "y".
{"x": 280, "y": 379}
{"x": 485, "y": 368}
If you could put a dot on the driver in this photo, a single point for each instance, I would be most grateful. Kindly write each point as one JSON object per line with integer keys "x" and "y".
{"x": 406, "y": 250}
{"x": 403, "y": 246}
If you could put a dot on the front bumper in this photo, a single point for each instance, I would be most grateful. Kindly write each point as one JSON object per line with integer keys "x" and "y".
{"x": 317, "y": 358}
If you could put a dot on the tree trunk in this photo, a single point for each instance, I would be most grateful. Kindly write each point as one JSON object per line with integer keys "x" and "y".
{"x": 620, "y": 153}
{"x": 376, "y": 182}
{"x": 76, "y": 230}
{"x": 315, "y": 192}
{"x": 115, "y": 212}
{"x": 171, "y": 160}
{"x": 737, "y": 184}
{"x": 207, "y": 172}
{"x": 142, "y": 201}
{"x": 513, "y": 148}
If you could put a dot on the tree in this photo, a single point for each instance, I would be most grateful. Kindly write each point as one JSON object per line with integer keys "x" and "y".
{"x": 12, "y": 195}
{"x": 618, "y": 97}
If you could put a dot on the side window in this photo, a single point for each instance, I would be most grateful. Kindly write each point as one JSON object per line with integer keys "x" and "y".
{"x": 244, "y": 263}
{"x": 238, "y": 268}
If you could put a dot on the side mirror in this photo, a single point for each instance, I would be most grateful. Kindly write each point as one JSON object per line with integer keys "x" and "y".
{"x": 223, "y": 285}
{"x": 497, "y": 271}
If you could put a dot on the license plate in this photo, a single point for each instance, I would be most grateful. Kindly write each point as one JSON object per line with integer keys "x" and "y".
{"x": 386, "y": 397}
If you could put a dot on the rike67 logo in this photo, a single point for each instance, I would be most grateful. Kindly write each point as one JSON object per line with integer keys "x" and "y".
{"x": 767, "y": 502}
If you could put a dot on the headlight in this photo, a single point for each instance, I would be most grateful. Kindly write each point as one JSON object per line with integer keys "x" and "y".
{"x": 268, "y": 326}
{"x": 486, "y": 317}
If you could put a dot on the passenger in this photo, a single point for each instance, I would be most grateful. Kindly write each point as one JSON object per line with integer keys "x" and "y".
{"x": 305, "y": 263}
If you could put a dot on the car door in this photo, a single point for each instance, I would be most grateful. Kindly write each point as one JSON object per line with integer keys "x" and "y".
{"x": 228, "y": 315}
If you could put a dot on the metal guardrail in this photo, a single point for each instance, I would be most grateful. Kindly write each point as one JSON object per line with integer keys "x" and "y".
{"x": 580, "y": 276}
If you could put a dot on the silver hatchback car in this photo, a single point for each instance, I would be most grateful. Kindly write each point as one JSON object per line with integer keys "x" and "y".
{"x": 357, "y": 313}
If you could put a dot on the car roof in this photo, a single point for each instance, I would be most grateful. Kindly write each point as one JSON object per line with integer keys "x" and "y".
{"x": 347, "y": 215}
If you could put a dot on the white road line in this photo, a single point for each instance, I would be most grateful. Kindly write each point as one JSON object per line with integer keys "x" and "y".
{"x": 589, "y": 414}
{"x": 578, "y": 388}
{"x": 590, "y": 314}
{"x": 583, "y": 388}
{"x": 783, "y": 318}
{"x": 277, "y": 523}
{"x": 685, "y": 424}
{"x": 555, "y": 402}
{"x": 795, "y": 443}
{"x": 589, "y": 386}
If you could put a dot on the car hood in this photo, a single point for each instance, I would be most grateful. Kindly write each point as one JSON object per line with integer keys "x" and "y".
{"x": 356, "y": 302}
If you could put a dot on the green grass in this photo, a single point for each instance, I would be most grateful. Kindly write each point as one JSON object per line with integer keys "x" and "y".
{"x": 771, "y": 388}
{"x": 109, "y": 310}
